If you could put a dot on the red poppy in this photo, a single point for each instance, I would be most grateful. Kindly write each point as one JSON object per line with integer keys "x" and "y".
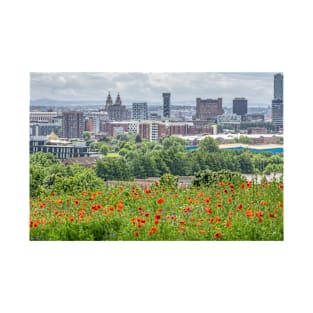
{"x": 239, "y": 207}
{"x": 259, "y": 213}
{"x": 271, "y": 215}
{"x": 249, "y": 213}
{"x": 209, "y": 210}
{"x": 147, "y": 214}
{"x": 228, "y": 224}
{"x": 242, "y": 186}
{"x": 218, "y": 220}
{"x": 217, "y": 235}
{"x": 160, "y": 201}
{"x": 219, "y": 205}
{"x": 207, "y": 200}
{"x": 157, "y": 216}
{"x": 147, "y": 191}
{"x": 136, "y": 233}
{"x": 60, "y": 201}
{"x": 156, "y": 222}
{"x": 72, "y": 219}
{"x": 229, "y": 200}
{"x": 202, "y": 232}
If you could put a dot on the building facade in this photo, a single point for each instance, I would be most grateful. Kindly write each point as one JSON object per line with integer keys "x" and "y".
{"x": 166, "y": 105}
{"x": 207, "y": 109}
{"x": 279, "y": 86}
{"x": 140, "y": 111}
{"x": 240, "y": 106}
{"x": 60, "y": 148}
{"x": 277, "y": 113}
{"x": 73, "y": 124}
{"x": 117, "y": 111}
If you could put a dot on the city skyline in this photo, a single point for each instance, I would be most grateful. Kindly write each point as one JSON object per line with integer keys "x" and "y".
{"x": 148, "y": 87}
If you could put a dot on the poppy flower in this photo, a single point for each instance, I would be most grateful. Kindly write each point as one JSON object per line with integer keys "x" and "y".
{"x": 217, "y": 235}
{"x": 219, "y": 205}
{"x": 239, "y": 207}
{"x": 228, "y": 224}
{"x": 136, "y": 233}
{"x": 259, "y": 213}
{"x": 209, "y": 210}
{"x": 207, "y": 200}
{"x": 160, "y": 201}
{"x": 72, "y": 219}
{"x": 157, "y": 216}
{"x": 249, "y": 213}
{"x": 271, "y": 215}
{"x": 202, "y": 232}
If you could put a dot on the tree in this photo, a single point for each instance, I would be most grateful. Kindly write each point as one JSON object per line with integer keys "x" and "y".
{"x": 208, "y": 144}
{"x": 104, "y": 149}
{"x": 86, "y": 135}
{"x": 138, "y": 139}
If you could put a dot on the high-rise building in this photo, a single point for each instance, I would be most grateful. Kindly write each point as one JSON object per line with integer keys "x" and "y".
{"x": 166, "y": 105}
{"x": 73, "y": 124}
{"x": 278, "y": 102}
{"x": 277, "y": 113}
{"x": 240, "y": 106}
{"x": 279, "y": 86}
{"x": 207, "y": 109}
{"x": 140, "y": 111}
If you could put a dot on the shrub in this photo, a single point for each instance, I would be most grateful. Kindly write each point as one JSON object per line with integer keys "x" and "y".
{"x": 210, "y": 178}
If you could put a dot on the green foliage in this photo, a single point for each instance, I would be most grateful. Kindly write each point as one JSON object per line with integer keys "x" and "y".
{"x": 244, "y": 139}
{"x": 104, "y": 149}
{"x": 47, "y": 174}
{"x": 208, "y": 144}
{"x": 169, "y": 181}
{"x": 209, "y": 178}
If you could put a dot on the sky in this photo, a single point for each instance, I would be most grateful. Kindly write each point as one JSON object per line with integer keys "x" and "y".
{"x": 148, "y": 87}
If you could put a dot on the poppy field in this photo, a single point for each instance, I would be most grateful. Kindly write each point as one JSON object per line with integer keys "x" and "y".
{"x": 245, "y": 211}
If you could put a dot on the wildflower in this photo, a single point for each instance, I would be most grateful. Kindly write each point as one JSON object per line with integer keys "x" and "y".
{"x": 239, "y": 207}
{"x": 136, "y": 233}
{"x": 229, "y": 200}
{"x": 219, "y": 205}
{"x": 217, "y": 235}
{"x": 207, "y": 200}
{"x": 249, "y": 213}
{"x": 157, "y": 216}
{"x": 228, "y": 224}
{"x": 209, "y": 210}
{"x": 160, "y": 201}
{"x": 146, "y": 214}
{"x": 271, "y": 215}
{"x": 72, "y": 219}
{"x": 259, "y": 213}
{"x": 217, "y": 220}
{"x": 242, "y": 186}
{"x": 202, "y": 232}
{"x": 60, "y": 201}
{"x": 148, "y": 191}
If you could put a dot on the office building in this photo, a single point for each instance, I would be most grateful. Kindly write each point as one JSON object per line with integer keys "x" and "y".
{"x": 140, "y": 111}
{"x": 279, "y": 86}
{"x": 240, "y": 106}
{"x": 73, "y": 124}
{"x": 208, "y": 109}
{"x": 166, "y": 105}
{"x": 277, "y": 113}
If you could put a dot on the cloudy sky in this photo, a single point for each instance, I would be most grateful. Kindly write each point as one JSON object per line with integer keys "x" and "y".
{"x": 184, "y": 87}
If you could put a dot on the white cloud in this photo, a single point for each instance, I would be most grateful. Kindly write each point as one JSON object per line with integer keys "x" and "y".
{"x": 256, "y": 87}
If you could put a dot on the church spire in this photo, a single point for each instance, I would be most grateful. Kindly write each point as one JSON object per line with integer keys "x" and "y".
{"x": 109, "y": 102}
{"x": 118, "y": 100}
